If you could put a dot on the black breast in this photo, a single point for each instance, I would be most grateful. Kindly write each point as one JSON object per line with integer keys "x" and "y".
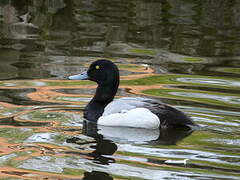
{"x": 94, "y": 110}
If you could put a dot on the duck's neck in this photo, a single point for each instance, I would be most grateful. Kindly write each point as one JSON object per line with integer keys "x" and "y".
{"x": 104, "y": 95}
{"x": 106, "y": 92}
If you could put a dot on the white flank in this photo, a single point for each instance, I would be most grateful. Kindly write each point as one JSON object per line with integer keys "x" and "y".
{"x": 136, "y": 118}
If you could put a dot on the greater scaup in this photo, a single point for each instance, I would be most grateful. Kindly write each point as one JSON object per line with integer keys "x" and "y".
{"x": 129, "y": 111}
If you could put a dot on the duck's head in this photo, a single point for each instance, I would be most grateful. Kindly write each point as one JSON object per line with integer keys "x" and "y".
{"x": 103, "y": 72}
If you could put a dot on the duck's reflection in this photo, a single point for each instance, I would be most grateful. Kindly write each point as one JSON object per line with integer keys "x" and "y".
{"x": 101, "y": 146}
{"x": 169, "y": 136}
{"x": 105, "y": 139}
{"x": 96, "y": 175}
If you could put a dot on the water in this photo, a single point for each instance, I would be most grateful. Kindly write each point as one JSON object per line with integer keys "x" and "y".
{"x": 185, "y": 53}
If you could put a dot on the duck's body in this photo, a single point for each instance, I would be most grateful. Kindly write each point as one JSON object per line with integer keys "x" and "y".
{"x": 129, "y": 112}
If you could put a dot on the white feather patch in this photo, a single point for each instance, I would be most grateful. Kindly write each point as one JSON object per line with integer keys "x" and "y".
{"x": 136, "y": 118}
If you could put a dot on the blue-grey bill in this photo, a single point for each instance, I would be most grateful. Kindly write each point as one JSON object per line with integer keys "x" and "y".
{"x": 82, "y": 76}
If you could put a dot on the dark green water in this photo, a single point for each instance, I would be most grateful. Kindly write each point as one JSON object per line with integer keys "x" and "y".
{"x": 183, "y": 52}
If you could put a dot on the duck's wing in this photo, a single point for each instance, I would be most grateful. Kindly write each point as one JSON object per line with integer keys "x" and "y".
{"x": 123, "y": 105}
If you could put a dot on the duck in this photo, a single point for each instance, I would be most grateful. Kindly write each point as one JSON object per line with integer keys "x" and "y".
{"x": 132, "y": 112}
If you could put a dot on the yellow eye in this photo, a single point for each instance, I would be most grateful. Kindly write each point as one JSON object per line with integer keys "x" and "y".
{"x": 97, "y": 67}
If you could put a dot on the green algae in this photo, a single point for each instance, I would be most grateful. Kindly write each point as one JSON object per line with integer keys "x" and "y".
{"x": 192, "y": 59}
{"x": 149, "y": 52}
{"x": 229, "y": 70}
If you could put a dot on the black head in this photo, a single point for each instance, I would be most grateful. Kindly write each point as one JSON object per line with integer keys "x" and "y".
{"x": 103, "y": 72}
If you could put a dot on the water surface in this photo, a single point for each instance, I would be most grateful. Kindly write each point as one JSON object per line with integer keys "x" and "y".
{"x": 184, "y": 53}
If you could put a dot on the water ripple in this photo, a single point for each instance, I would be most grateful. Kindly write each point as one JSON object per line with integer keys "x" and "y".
{"x": 210, "y": 81}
